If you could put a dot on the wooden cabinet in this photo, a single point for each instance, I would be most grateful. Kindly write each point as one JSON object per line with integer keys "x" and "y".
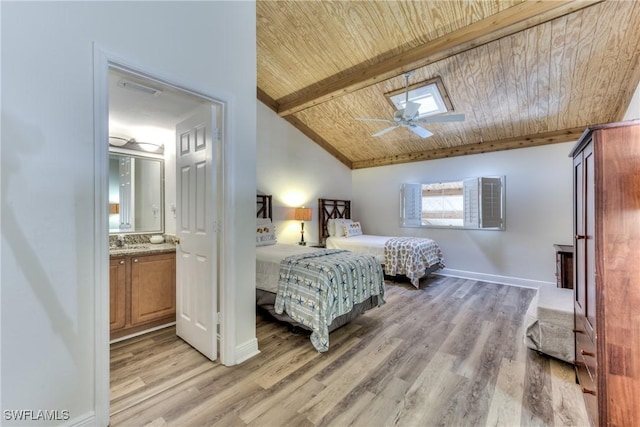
{"x": 143, "y": 292}
{"x": 117, "y": 289}
{"x": 564, "y": 266}
{"x": 153, "y": 288}
{"x": 607, "y": 271}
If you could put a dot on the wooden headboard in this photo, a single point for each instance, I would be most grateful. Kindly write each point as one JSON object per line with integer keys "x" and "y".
{"x": 328, "y": 209}
{"x": 264, "y": 206}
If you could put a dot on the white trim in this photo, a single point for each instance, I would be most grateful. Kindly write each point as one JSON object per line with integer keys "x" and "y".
{"x": 102, "y": 394}
{"x": 103, "y": 61}
{"x": 135, "y": 153}
{"x": 1, "y": 187}
{"x": 247, "y": 350}
{"x": 492, "y": 278}
{"x": 146, "y": 331}
{"x": 227, "y": 309}
{"x": 86, "y": 420}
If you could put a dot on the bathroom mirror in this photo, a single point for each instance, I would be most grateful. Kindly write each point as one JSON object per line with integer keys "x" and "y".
{"x": 136, "y": 194}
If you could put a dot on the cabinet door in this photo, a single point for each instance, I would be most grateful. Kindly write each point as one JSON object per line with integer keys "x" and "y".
{"x": 117, "y": 293}
{"x": 590, "y": 240}
{"x": 579, "y": 282}
{"x": 153, "y": 287}
{"x": 585, "y": 280}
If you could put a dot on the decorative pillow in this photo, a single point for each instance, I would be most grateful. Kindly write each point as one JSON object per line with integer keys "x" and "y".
{"x": 339, "y": 224}
{"x": 352, "y": 229}
{"x": 265, "y": 232}
{"x": 331, "y": 227}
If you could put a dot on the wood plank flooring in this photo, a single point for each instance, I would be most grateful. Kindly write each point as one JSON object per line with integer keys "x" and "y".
{"x": 448, "y": 354}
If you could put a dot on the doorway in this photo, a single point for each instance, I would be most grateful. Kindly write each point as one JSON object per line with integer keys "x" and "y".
{"x": 165, "y": 105}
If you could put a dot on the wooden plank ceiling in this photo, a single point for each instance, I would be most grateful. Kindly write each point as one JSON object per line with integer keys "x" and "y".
{"x": 524, "y": 73}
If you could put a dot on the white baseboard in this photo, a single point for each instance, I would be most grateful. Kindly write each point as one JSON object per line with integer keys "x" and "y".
{"x": 86, "y": 420}
{"x": 247, "y": 350}
{"x": 146, "y": 331}
{"x": 503, "y": 280}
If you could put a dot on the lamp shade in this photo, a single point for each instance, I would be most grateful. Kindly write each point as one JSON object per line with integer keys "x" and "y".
{"x": 303, "y": 214}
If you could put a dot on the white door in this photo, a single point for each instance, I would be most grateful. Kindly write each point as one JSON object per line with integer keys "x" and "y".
{"x": 196, "y": 269}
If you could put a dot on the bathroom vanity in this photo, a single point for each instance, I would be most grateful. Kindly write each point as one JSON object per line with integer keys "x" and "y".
{"x": 142, "y": 275}
{"x": 142, "y": 281}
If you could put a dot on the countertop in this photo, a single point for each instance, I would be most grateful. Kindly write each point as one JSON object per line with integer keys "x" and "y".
{"x": 142, "y": 249}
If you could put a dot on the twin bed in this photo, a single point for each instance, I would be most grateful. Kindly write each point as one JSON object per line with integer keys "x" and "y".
{"x": 322, "y": 289}
{"x": 413, "y": 257}
{"x": 313, "y": 288}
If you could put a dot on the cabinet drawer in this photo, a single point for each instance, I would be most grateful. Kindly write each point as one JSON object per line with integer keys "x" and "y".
{"x": 585, "y": 377}
{"x": 586, "y": 363}
{"x": 586, "y": 353}
{"x": 587, "y": 383}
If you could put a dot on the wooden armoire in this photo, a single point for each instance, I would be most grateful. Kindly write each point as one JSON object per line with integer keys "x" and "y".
{"x": 606, "y": 167}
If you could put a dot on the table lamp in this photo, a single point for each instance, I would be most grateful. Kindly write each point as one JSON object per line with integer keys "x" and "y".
{"x": 302, "y": 214}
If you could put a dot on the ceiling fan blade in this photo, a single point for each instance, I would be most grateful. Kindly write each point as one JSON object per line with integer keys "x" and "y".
{"x": 367, "y": 119}
{"x": 420, "y": 131}
{"x": 383, "y": 131}
{"x": 410, "y": 110}
{"x": 441, "y": 118}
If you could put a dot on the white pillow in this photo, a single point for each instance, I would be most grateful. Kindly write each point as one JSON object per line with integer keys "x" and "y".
{"x": 265, "y": 232}
{"x": 352, "y": 229}
{"x": 331, "y": 227}
{"x": 339, "y": 224}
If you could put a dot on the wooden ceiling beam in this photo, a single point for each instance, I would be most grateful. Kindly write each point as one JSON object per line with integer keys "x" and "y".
{"x": 267, "y": 100}
{"x": 555, "y": 137}
{"x": 512, "y": 20}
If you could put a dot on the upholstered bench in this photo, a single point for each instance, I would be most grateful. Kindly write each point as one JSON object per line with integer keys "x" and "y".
{"x": 549, "y": 323}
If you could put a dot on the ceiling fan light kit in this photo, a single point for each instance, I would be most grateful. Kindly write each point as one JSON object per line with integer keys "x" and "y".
{"x": 409, "y": 117}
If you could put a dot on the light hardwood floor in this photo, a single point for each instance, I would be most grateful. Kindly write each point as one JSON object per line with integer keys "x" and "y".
{"x": 449, "y": 354}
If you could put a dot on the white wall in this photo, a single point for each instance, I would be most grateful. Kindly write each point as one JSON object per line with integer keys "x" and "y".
{"x": 538, "y": 206}
{"x": 296, "y": 171}
{"x": 47, "y": 173}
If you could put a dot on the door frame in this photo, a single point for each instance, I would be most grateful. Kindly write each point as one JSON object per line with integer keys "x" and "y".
{"x": 103, "y": 60}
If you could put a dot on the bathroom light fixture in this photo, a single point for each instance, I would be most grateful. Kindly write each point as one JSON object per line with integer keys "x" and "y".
{"x": 132, "y": 144}
{"x": 117, "y": 141}
{"x": 147, "y": 146}
{"x": 128, "y": 84}
{"x": 302, "y": 214}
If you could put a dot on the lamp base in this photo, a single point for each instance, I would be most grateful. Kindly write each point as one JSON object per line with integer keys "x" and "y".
{"x": 302, "y": 242}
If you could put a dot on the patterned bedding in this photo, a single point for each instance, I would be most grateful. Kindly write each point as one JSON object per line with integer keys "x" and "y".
{"x": 315, "y": 288}
{"x": 411, "y": 256}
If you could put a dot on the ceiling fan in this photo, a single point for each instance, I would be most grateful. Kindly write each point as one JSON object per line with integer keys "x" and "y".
{"x": 407, "y": 117}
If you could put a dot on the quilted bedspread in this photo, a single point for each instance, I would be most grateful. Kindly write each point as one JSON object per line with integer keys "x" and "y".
{"x": 411, "y": 256}
{"x": 315, "y": 288}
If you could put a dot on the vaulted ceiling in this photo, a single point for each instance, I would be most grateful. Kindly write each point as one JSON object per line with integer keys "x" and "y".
{"x": 524, "y": 73}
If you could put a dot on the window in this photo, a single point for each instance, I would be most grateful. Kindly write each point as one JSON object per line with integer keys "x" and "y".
{"x": 431, "y": 95}
{"x": 475, "y": 203}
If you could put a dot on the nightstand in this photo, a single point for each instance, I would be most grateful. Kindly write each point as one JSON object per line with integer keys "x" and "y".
{"x": 564, "y": 266}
